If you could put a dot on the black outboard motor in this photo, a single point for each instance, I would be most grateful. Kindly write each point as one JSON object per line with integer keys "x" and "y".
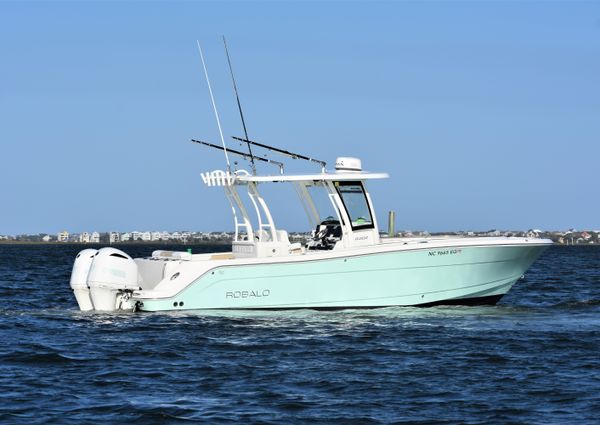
{"x": 326, "y": 235}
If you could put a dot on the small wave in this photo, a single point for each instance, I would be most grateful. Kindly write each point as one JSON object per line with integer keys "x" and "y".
{"x": 578, "y": 303}
{"x": 37, "y": 358}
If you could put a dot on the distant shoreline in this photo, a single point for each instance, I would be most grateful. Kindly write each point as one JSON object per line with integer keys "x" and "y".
{"x": 166, "y": 243}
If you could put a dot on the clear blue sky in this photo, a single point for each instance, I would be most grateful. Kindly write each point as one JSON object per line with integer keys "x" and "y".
{"x": 486, "y": 114}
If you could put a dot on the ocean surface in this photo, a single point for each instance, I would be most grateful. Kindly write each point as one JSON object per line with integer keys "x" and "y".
{"x": 534, "y": 358}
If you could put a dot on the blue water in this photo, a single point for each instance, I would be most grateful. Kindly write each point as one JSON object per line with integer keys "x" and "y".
{"x": 534, "y": 358}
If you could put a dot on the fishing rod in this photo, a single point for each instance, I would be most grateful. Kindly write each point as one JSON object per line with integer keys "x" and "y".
{"x": 242, "y": 154}
{"x": 283, "y": 152}
{"x": 237, "y": 96}
{"x": 214, "y": 106}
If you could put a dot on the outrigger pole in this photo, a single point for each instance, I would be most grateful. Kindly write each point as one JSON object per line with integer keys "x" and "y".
{"x": 242, "y": 154}
{"x": 237, "y": 96}
{"x": 214, "y": 107}
{"x": 283, "y": 152}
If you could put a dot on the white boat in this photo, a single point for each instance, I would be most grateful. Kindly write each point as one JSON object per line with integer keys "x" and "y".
{"x": 346, "y": 264}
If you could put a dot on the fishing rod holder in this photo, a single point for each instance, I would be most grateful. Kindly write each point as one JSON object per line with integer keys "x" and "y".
{"x": 292, "y": 155}
{"x": 242, "y": 154}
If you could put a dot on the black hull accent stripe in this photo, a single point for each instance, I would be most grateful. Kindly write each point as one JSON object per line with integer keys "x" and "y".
{"x": 489, "y": 300}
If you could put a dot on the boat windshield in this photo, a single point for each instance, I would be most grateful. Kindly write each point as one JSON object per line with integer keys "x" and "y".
{"x": 355, "y": 201}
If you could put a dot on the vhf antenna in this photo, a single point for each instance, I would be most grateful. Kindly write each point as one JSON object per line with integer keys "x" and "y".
{"x": 214, "y": 107}
{"x": 237, "y": 96}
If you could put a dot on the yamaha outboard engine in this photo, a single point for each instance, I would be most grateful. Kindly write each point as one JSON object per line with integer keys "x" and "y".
{"x": 79, "y": 275}
{"x": 112, "y": 278}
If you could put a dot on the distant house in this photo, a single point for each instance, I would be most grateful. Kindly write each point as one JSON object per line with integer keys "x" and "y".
{"x": 296, "y": 236}
{"x": 47, "y": 238}
{"x": 95, "y": 237}
{"x": 63, "y": 236}
{"x": 155, "y": 236}
{"x": 125, "y": 237}
{"x": 146, "y": 236}
{"x": 114, "y": 237}
{"x": 84, "y": 237}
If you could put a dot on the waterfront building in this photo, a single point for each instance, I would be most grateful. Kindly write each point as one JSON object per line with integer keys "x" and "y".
{"x": 198, "y": 236}
{"x": 84, "y": 237}
{"x": 95, "y": 237}
{"x": 114, "y": 237}
{"x": 63, "y": 236}
{"x": 297, "y": 236}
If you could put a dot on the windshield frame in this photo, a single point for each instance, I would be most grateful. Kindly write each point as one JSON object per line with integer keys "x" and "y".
{"x": 339, "y": 184}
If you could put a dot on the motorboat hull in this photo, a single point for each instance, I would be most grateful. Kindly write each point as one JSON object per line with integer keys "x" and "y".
{"x": 426, "y": 276}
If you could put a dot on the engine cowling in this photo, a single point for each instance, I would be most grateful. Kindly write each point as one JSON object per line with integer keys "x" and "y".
{"x": 112, "y": 273}
{"x": 79, "y": 277}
